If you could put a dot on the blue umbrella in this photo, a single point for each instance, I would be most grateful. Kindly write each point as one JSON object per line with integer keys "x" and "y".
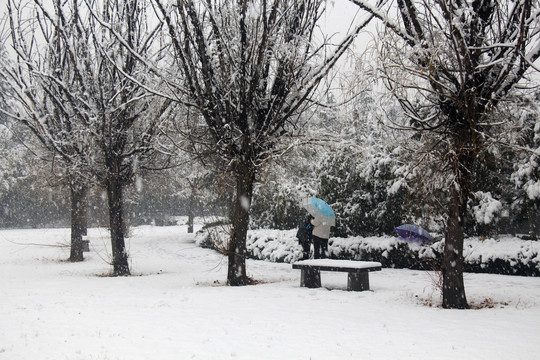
{"x": 413, "y": 233}
{"x": 320, "y": 210}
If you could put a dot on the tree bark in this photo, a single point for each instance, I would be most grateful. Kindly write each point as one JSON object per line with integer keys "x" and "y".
{"x": 453, "y": 262}
{"x": 453, "y": 284}
{"x": 78, "y": 221}
{"x": 191, "y": 209}
{"x": 117, "y": 227}
{"x": 236, "y": 275}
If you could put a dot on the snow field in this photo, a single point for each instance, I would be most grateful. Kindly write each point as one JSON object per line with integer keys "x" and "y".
{"x": 176, "y": 306}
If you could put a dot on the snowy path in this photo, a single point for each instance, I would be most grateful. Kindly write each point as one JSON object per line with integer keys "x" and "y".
{"x": 176, "y": 307}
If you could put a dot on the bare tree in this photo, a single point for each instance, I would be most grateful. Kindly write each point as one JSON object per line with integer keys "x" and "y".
{"x": 42, "y": 83}
{"x": 465, "y": 57}
{"x": 126, "y": 117}
{"x": 84, "y": 80}
{"x": 249, "y": 67}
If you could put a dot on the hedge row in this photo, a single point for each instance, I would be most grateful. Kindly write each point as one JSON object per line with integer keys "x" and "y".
{"x": 505, "y": 255}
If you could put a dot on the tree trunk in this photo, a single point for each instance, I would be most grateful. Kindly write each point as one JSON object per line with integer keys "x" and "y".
{"x": 453, "y": 285}
{"x": 245, "y": 179}
{"x": 117, "y": 227}
{"x": 191, "y": 209}
{"x": 84, "y": 214}
{"x": 453, "y": 262}
{"x": 78, "y": 221}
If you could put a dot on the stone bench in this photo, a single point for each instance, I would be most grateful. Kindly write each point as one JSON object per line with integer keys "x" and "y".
{"x": 358, "y": 279}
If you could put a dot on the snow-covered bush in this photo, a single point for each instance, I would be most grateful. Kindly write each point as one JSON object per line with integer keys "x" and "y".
{"x": 274, "y": 245}
{"x": 504, "y": 255}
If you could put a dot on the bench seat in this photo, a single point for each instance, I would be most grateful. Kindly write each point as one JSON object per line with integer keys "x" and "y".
{"x": 358, "y": 278}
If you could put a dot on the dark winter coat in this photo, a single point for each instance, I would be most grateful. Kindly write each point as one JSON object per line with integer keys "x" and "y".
{"x": 304, "y": 232}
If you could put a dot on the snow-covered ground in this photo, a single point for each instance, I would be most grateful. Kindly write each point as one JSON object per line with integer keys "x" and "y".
{"x": 175, "y": 306}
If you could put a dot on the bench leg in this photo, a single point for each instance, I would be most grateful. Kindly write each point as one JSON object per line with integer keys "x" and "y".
{"x": 358, "y": 281}
{"x": 310, "y": 278}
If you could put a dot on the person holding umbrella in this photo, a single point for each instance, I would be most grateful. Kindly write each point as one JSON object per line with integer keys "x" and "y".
{"x": 320, "y": 236}
{"x": 324, "y": 218}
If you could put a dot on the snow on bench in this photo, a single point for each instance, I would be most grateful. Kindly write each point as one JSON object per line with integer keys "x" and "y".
{"x": 358, "y": 279}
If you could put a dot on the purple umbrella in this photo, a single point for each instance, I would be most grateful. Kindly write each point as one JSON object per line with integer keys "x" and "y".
{"x": 413, "y": 233}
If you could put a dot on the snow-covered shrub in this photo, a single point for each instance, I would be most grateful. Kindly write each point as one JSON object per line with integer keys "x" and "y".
{"x": 274, "y": 245}
{"x": 505, "y": 255}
